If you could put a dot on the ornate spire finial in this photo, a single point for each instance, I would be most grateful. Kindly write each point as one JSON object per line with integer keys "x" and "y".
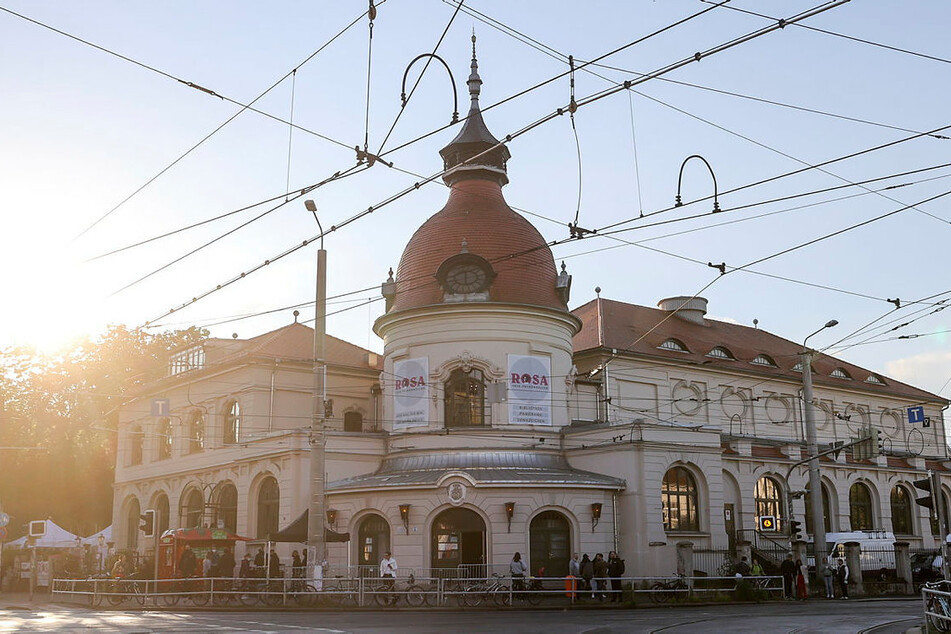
{"x": 475, "y": 82}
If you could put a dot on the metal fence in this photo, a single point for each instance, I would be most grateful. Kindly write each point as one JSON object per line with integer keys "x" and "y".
{"x": 362, "y": 591}
{"x": 714, "y": 562}
{"x": 936, "y": 605}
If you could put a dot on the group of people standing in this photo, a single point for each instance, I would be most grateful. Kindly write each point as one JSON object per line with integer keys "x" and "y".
{"x": 594, "y": 575}
{"x": 796, "y": 578}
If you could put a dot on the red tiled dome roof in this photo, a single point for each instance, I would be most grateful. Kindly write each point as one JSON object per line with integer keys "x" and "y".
{"x": 477, "y": 213}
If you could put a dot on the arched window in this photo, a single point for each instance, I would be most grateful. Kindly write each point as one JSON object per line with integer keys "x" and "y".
{"x": 768, "y": 498}
{"x": 550, "y": 544}
{"x": 721, "y": 352}
{"x": 196, "y": 432}
{"x": 269, "y": 506}
{"x": 465, "y": 398}
{"x": 164, "y": 439}
{"x": 136, "y": 438}
{"x": 132, "y": 525}
{"x": 374, "y": 541}
{"x": 860, "y": 508}
{"x": 161, "y": 513}
{"x": 353, "y": 421}
{"x": 191, "y": 509}
{"x": 934, "y": 520}
{"x": 679, "y": 500}
{"x": 232, "y": 423}
{"x": 901, "y": 512}
{"x": 826, "y": 513}
{"x": 763, "y": 359}
{"x": 673, "y": 344}
{"x": 227, "y": 512}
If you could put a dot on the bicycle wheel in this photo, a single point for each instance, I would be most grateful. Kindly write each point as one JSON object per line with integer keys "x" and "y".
{"x": 139, "y": 594}
{"x": 501, "y": 596}
{"x": 660, "y": 593}
{"x": 473, "y": 595}
{"x": 115, "y": 596}
{"x": 535, "y": 593}
{"x": 306, "y": 596}
{"x": 381, "y": 596}
{"x": 200, "y": 598}
{"x": 939, "y": 624}
{"x": 274, "y": 595}
{"x": 415, "y": 596}
{"x": 248, "y": 596}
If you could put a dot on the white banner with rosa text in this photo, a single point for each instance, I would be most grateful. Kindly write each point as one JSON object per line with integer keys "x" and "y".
{"x": 529, "y": 397}
{"x": 411, "y": 392}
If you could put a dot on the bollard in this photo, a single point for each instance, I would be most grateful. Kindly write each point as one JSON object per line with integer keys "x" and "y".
{"x": 853, "y": 557}
{"x": 685, "y": 563}
{"x": 903, "y": 567}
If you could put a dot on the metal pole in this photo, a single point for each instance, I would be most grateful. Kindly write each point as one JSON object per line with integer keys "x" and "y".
{"x": 815, "y": 483}
{"x": 942, "y": 513}
{"x": 316, "y": 546}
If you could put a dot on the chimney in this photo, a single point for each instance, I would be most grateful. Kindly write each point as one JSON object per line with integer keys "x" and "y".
{"x": 688, "y": 308}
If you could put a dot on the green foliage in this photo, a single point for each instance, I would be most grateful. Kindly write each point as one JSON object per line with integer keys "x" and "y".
{"x": 58, "y": 416}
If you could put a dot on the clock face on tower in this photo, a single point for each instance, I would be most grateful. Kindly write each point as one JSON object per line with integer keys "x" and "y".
{"x": 466, "y": 278}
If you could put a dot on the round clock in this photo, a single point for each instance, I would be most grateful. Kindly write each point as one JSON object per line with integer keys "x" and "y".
{"x": 466, "y": 278}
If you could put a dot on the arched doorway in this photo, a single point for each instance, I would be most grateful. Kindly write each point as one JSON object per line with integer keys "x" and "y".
{"x": 550, "y": 544}
{"x": 191, "y": 509}
{"x": 374, "y": 540}
{"x": 458, "y": 539}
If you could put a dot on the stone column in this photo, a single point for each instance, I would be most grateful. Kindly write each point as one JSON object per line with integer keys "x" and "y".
{"x": 799, "y": 551}
{"x": 903, "y": 566}
{"x": 744, "y": 549}
{"x": 853, "y": 558}
{"x": 685, "y": 560}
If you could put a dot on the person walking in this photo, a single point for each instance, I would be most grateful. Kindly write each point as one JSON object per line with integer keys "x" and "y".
{"x": 842, "y": 575}
{"x": 187, "y": 563}
{"x": 518, "y": 569}
{"x": 226, "y": 564}
{"x": 587, "y": 572}
{"x": 274, "y": 565}
{"x": 616, "y": 571}
{"x": 388, "y": 568}
{"x": 788, "y": 570}
{"x": 756, "y": 570}
{"x": 743, "y": 568}
{"x": 827, "y": 573}
{"x": 600, "y": 576}
{"x": 574, "y": 572}
{"x": 802, "y": 574}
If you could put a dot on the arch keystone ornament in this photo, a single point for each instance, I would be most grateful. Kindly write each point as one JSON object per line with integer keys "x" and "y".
{"x": 456, "y": 493}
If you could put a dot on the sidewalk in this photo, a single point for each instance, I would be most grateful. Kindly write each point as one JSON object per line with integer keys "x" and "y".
{"x": 21, "y": 600}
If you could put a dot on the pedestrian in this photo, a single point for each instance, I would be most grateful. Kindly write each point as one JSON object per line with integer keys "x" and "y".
{"x": 802, "y": 574}
{"x": 259, "y": 557}
{"x": 842, "y": 575}
{"x": 756, "y": 570}
{"x": 616, "y": 571}
{"x": 574, "y": 571}
{"x": 274, "y": 565}
{"x": 518, "y": 570}
{"x": 121, "y": 568}
{"x": 187, "y": 563}
{"x": 206, "y": 565}
{"x": 245, "y": 570}
{"x": 215, "y": 560}
{"x": 600, "y": 576}
{"x": 297, "y": 567}
{"x": 226, "y": 564}
{"x": 743, "y": 568}
{"x": 388, "y": 568}
{"x": 587, "y": 572}
{"x": 788, "y": 570}
{"x": 827, "y": 573}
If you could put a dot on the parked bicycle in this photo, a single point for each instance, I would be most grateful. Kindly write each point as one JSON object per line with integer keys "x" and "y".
{"x": 389, "y": 592}
{"x": 667, "y": 591}
{"x": 939, "y": 606}
{"x": 478, "y": 591}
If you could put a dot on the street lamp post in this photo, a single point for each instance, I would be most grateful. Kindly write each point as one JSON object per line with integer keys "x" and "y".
{"x": 815, "y": 483}
{"x": 316, "y": 539}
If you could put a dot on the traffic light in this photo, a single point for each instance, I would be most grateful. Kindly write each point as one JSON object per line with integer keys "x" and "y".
{"x": 926, "y": 484}
{"x": 795, "y": 529}
{"x": 874, "y": 443}
{"x": 148, "y": 523}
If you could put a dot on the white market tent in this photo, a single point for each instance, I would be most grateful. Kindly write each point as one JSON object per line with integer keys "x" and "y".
{"x": 93, "y": 540}
{"x": 56, "y": 537}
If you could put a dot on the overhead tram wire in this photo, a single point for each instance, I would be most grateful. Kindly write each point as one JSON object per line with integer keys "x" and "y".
{"x": 244, "y": 107}
{"x": 287, "y": 199}
{"x": 429, "y": 60}
{"x": 853, "y": 38}
{"x": 524, "y": 130}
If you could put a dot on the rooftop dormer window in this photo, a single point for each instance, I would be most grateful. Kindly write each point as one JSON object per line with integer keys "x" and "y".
{"x": 673, "y": 344}
{"x": 765, "y": 360}
{"x": 721, "y": 353}
{"x": 186, "y": 361}
{"x": 839, "y": 373}
{"x": 874, "y": 380}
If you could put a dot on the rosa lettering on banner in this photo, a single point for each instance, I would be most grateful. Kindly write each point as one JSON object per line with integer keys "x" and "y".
{"x": 410, "y": 392}
{"x": 529, "y": 394}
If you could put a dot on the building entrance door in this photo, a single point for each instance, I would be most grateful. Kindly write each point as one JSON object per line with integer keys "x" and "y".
{"x": 550, "y": 542}
{"x": 458, "y": 540}
{"x": 729, "y": 521}
{"x": 373, "y": 543}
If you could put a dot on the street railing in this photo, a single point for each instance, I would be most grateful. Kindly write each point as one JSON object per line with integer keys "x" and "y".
{"x": 348, "y": 591}
{"x": 936, "y": 603}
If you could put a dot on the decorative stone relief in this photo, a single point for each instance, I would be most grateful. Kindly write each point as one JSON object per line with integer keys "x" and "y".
{"x": 890, "y": 421}
{"x": 687, "y": 397}
{"x": 778, "y": 409}
{"x": 456, "y": 492}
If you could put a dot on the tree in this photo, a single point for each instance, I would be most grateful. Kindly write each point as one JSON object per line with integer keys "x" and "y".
{"x": 58, "y": 420}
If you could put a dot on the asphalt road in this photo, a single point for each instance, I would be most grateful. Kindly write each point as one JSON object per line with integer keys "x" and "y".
{"x": 878, "y": 617}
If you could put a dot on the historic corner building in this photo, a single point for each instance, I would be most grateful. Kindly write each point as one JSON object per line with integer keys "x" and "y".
{"x": 498, "y": 420}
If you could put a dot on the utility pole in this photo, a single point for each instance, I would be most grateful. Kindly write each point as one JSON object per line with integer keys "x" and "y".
{"x": 815, "y": 482}
{"x": 316, "y": 539}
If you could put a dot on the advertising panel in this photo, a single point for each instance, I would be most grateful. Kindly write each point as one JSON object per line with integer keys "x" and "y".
{"x": 411, "y": 392}
{"x": 529, "y": 397}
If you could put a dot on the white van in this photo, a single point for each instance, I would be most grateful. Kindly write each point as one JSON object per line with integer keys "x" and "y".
{"x": 878, "y": 548}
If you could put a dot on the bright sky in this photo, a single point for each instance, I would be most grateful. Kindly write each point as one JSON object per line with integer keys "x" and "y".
{"x": 83, "y": 129}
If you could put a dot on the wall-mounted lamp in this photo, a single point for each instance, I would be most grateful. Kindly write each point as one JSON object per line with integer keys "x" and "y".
{"x": 595, "y": 515}
{"x": 332, "y": 518}
{"x": 509, "y": 513}
{"x": 404, "y": 515}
